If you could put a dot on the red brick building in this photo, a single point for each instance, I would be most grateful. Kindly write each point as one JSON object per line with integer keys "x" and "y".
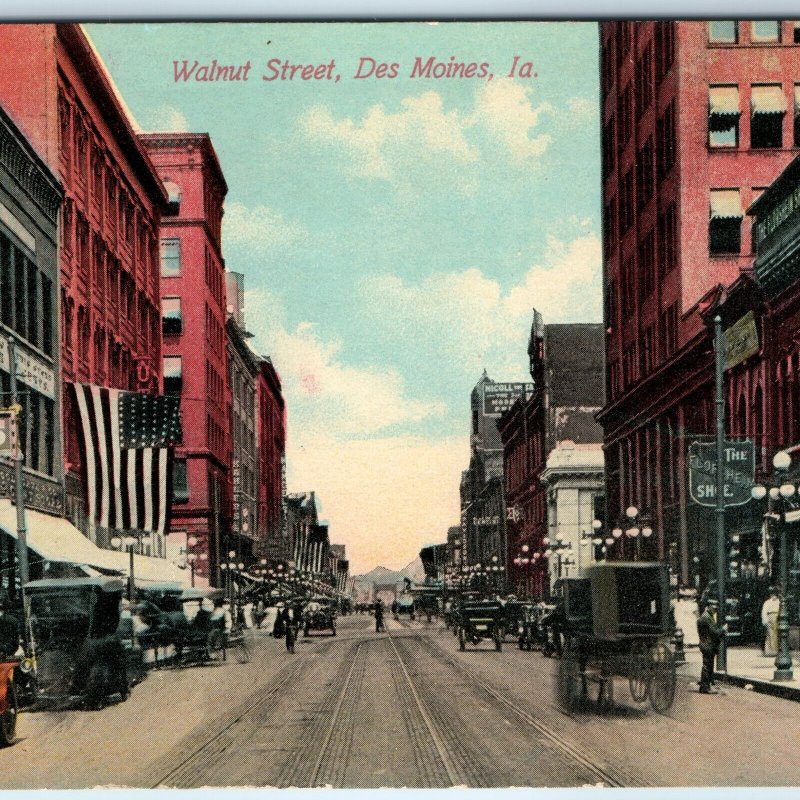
{"x": 195, "y": 360}
{"x": 54, "y": 85}
{"x": 566, "y": 367}
{"x": 698, "y": 118}
{"x": 274, "y": 540}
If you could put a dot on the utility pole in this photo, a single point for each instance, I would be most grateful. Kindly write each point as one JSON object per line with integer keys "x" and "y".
{"x": 719, "y": 510}
{"x": 19, "y": 494}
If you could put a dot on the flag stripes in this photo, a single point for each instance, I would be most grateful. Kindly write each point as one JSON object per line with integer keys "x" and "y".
{"x": 127, "y": 461}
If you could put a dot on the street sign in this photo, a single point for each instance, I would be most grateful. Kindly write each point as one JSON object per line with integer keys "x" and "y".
{"x": 8, "y": 433}
{"x": 739, "y": 463}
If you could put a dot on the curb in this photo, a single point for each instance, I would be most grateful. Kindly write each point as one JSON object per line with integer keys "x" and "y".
{"x": 763, "y": 687}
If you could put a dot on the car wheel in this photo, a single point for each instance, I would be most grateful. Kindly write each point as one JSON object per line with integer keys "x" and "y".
{"x": 8, "y": 722}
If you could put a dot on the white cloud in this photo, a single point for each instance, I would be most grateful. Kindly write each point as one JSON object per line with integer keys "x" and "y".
{"x": 504, "y": 107}
{"x": 421, "y": 125}
{"x": 473, "y": 323}
{"x": 166, "y": 118}
{"x": 385, "y": 497}
{"x": 582, "y": 109}
{"x": 324, "y": 393}
{"x": 385, "y": 144}
{"x": 259, "y": 229}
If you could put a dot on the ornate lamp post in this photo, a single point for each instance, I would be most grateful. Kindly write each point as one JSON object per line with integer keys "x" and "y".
{"x": 191, "y": 557}
{"x": 637, "y": 529}
{"x": 230, "y": 567}
{"x": 129, "y": 542}
{"x": 780, "y": 492}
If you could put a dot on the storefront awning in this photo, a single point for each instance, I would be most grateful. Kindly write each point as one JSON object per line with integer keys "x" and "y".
{"x": 57, "y": 539}
{"x": 768, "y": 100}
{"x": 723, "y": 100}
{"x": 726, "y": 204}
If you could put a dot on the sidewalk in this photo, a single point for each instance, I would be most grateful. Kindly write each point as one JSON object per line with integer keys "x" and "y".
{"x": 748, "y": 667}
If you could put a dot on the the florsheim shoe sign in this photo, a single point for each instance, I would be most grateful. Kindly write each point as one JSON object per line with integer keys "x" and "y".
{"x": 739, "y": 463}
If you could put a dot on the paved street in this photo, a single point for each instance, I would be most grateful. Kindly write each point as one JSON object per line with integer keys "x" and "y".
{"x": 404, "y": 708}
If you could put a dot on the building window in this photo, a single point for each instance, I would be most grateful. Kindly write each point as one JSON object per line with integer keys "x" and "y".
{"x": 628, "y": 286}
{"x": 626, "y": 202}
{"x": 171, "y": 320}
{"x": 723, "y": 116}
{"x": 796, "y": 32}
{"x": 665, "y": 48}
{"x": 644, "y": 87}
{"x": 669, "y": 330}
{"x": 797, "y": 115}
{"x": 173, "y": 374}
{"x": 723, "y": 32}
{"x": 725, "y": 224}
{"x": 170, "y": 258}
{"x": 609, "y": 146}
{"x": 173, "y": 198}
{"x": 766, "y": 30}
{"x": 180, "y": 481}
{"x": 644, "y": 174}
{"x": 768, "y": 105}
{"x": 665, "y": 141}
{"x": 610, "y": 219}
{"x": 649, "y": 353}
{"x": 646, "y": 266}
{"x": 668, "y": 240}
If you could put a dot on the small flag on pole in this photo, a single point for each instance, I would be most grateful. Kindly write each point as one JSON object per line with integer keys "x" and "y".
{"x": 127, "y": 457}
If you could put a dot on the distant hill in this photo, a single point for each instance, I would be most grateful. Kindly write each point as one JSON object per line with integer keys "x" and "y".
{"x": 413, "y": 572}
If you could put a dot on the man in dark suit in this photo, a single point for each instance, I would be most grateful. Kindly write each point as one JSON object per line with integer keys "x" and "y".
{"x": 711, "y": 635}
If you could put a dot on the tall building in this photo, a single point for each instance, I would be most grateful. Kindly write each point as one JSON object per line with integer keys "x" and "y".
{"x": 697, "y": 119}
{"x": 482, "y": 500}
{"x": 30, "y": 196}
{"x": 243, "y": 370}
{"x": 195, "y": 362}
{"x": 274, "y": 533}
{"x": 537, "y": 432}
{"x": 56, "y": 88}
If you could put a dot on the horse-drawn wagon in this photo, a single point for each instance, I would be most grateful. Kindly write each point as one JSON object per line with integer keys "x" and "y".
{"x": 617, "y": 624}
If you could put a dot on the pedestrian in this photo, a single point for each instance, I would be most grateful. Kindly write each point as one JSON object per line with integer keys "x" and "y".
{"x": 711, "y": 635}
{"x": 769, "y": 619}
{"x": 379, "y": 626}
{"x": 290, "y": 625}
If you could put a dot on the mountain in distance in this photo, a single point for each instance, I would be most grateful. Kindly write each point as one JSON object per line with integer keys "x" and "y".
{"x": 382, "y": 575}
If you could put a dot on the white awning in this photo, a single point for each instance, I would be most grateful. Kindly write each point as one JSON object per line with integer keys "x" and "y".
{"x": 723, "y": 100}
{"x": 726, "y": 204}
{"x": 57, "y": 539}
{"x": 768, "y": 100}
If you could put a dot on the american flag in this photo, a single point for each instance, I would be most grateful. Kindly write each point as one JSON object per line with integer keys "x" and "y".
{"x": 127, "y": 456}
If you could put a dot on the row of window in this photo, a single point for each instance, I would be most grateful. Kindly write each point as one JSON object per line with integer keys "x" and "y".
{"x": 83, "y": 157}
{"x": 36, "y": 433}
{"x": 754, "y": 32}
{"x": 26, "y": 296}
{"x": 768, "y": 105}
{"x": 215, "y": 332}
{"x": 656, "y": 59}
{"x": 640, "y": 357}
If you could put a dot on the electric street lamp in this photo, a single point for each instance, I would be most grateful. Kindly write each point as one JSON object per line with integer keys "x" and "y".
{"x": 780, "y": 492}
{"x": 129, "y": 542}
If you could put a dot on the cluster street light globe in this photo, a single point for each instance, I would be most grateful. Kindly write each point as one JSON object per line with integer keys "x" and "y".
{"x": 191, "y": 557}
{"x": 780, "y": 494}
{"x": 129, "y": 542}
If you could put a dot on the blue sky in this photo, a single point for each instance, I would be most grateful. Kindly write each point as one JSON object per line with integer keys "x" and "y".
{"x": 394, "y": 234}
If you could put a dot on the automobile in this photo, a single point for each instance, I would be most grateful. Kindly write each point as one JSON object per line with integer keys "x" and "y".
{"x": 319, "y": 614}
{"x": 9, "y": 706}
{"x": 406, "y": 605}
{"x": 512, "y": 616}
{"x": 77, "y": 647}
{"x": 529, "y": 629}
{"x": 480, "y": 619}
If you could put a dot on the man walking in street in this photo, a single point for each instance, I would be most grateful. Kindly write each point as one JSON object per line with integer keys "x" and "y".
{"x": 711, "y": 635}
{"x": 379, "y": 626}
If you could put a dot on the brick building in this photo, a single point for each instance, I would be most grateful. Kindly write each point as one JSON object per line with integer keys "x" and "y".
{"x": 566, "y": 365}
{"x": 697, "y": 119}
{"x": 30, "y": 197}
{"x": 195, "y": 361}
{"x": 274, "y": 534}
{"x": 109, "y": 295}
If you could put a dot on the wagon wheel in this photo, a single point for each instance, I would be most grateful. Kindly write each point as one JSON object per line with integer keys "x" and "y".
{"x": 640, "y": 673}
{"x": 8, "y": 720}
{"x": 662, "y": 687}
{"x": 568, "y": 676}
{"x": 462, "y": 639}
{"x": 215, "y": 646}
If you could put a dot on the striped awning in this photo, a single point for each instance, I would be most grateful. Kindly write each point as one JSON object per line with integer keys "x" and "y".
{"x": 726, "y": 204}
{"x": 768, "y": 100}
{"x": 723, "y": 100}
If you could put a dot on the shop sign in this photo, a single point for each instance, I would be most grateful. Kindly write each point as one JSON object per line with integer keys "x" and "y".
{"x": 739, "y": 463}
{"x": 499, "y": 397}
{"x": 741, "y": 340}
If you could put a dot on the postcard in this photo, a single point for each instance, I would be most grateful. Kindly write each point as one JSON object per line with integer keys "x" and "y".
{"x": 399, "y": 404}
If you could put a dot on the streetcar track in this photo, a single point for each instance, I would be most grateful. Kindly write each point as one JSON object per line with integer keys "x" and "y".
{"x": 611, "y": 777}
{"x": 195, "y": 763}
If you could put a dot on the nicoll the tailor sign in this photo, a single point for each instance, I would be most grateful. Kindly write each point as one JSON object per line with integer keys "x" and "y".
{"x": 739, "y": 462}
